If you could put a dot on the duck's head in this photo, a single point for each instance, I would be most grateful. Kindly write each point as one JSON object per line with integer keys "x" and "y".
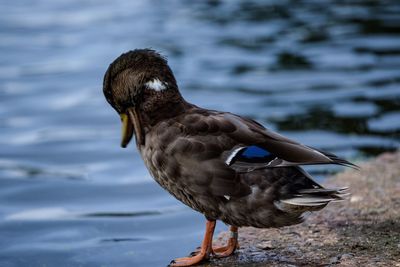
{"x": 140, "y": 86}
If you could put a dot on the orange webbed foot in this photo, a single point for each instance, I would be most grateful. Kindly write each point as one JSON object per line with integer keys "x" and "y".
{"x": 223, "y": 251}
{"x": 229, "y": 249}
{"x": 189, "y": 261}
{"x": 204, "y": 251}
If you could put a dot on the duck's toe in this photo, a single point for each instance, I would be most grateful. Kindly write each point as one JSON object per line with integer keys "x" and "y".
{"x": 225, "y": 251}
{"x": 228, "y": 249}
{"x": 195, "y": 252}
{"x": 190, "y": 261}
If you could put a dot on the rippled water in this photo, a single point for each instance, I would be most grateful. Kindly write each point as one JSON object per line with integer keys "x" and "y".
{"x": 326, "y": 73}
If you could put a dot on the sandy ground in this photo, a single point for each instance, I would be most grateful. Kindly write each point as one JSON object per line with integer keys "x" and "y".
{"x": 363, "y": 231}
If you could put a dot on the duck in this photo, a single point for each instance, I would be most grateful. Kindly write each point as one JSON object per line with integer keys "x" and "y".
{"x": 227, "y": 167}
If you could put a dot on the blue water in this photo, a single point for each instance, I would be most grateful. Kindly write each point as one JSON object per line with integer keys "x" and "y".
{"x": 326, "y": 73}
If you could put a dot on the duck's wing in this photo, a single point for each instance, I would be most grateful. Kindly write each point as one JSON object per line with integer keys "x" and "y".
{"x": 207, "y": 152}
{"x": 258, "y": 147}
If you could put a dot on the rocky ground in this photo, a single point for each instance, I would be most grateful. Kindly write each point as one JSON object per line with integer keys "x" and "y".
{"x": 362, "y": 231}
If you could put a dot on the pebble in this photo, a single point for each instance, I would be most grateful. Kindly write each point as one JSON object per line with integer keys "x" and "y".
{"x": 347, "y": 256}
{"x": 334, "y": 260}
{"x": 355, "y": 199}
{"x": 293, "y": 249}
{"x": 265, "y": 245}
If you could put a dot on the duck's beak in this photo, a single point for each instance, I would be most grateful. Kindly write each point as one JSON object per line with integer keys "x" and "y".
{"x": 127, "y": 129}
{"x": 131, "y": 123}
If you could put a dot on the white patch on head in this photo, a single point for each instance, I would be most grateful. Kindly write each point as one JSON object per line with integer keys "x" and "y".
{"x": 232, "y": 155}
{"x": 227, "y": 197}
{"x": 156, "y": 84}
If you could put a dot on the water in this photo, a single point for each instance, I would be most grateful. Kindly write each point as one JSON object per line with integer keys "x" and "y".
{"x": 326, "y": 73}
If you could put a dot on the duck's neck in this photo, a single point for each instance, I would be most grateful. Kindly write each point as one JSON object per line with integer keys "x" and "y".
{"x": 156, "y": 109}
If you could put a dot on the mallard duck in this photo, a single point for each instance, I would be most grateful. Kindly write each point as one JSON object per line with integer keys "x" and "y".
{"x": 225, "y": 166}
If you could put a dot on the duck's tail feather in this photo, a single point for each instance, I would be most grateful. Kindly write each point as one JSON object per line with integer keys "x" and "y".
{"x": 311, "y": 199}
{"x": 339, "y": 161}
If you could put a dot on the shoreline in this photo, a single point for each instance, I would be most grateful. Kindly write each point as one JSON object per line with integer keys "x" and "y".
{"x": 363, "y": 230}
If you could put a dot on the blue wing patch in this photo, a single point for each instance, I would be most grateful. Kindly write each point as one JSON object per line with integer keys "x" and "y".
{"x": 250, "y": 154}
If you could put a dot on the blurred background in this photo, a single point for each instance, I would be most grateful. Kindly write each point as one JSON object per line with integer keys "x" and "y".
{"x": 326, "y": 73}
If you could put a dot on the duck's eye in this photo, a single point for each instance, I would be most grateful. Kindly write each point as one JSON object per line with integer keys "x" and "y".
{"x": 156, "y": 85}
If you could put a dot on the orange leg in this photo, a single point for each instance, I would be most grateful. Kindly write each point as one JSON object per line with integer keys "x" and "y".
{"x": 205, "y": 249}
{"x": 225, "y": 251}
{"x": 228, "y": 249}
